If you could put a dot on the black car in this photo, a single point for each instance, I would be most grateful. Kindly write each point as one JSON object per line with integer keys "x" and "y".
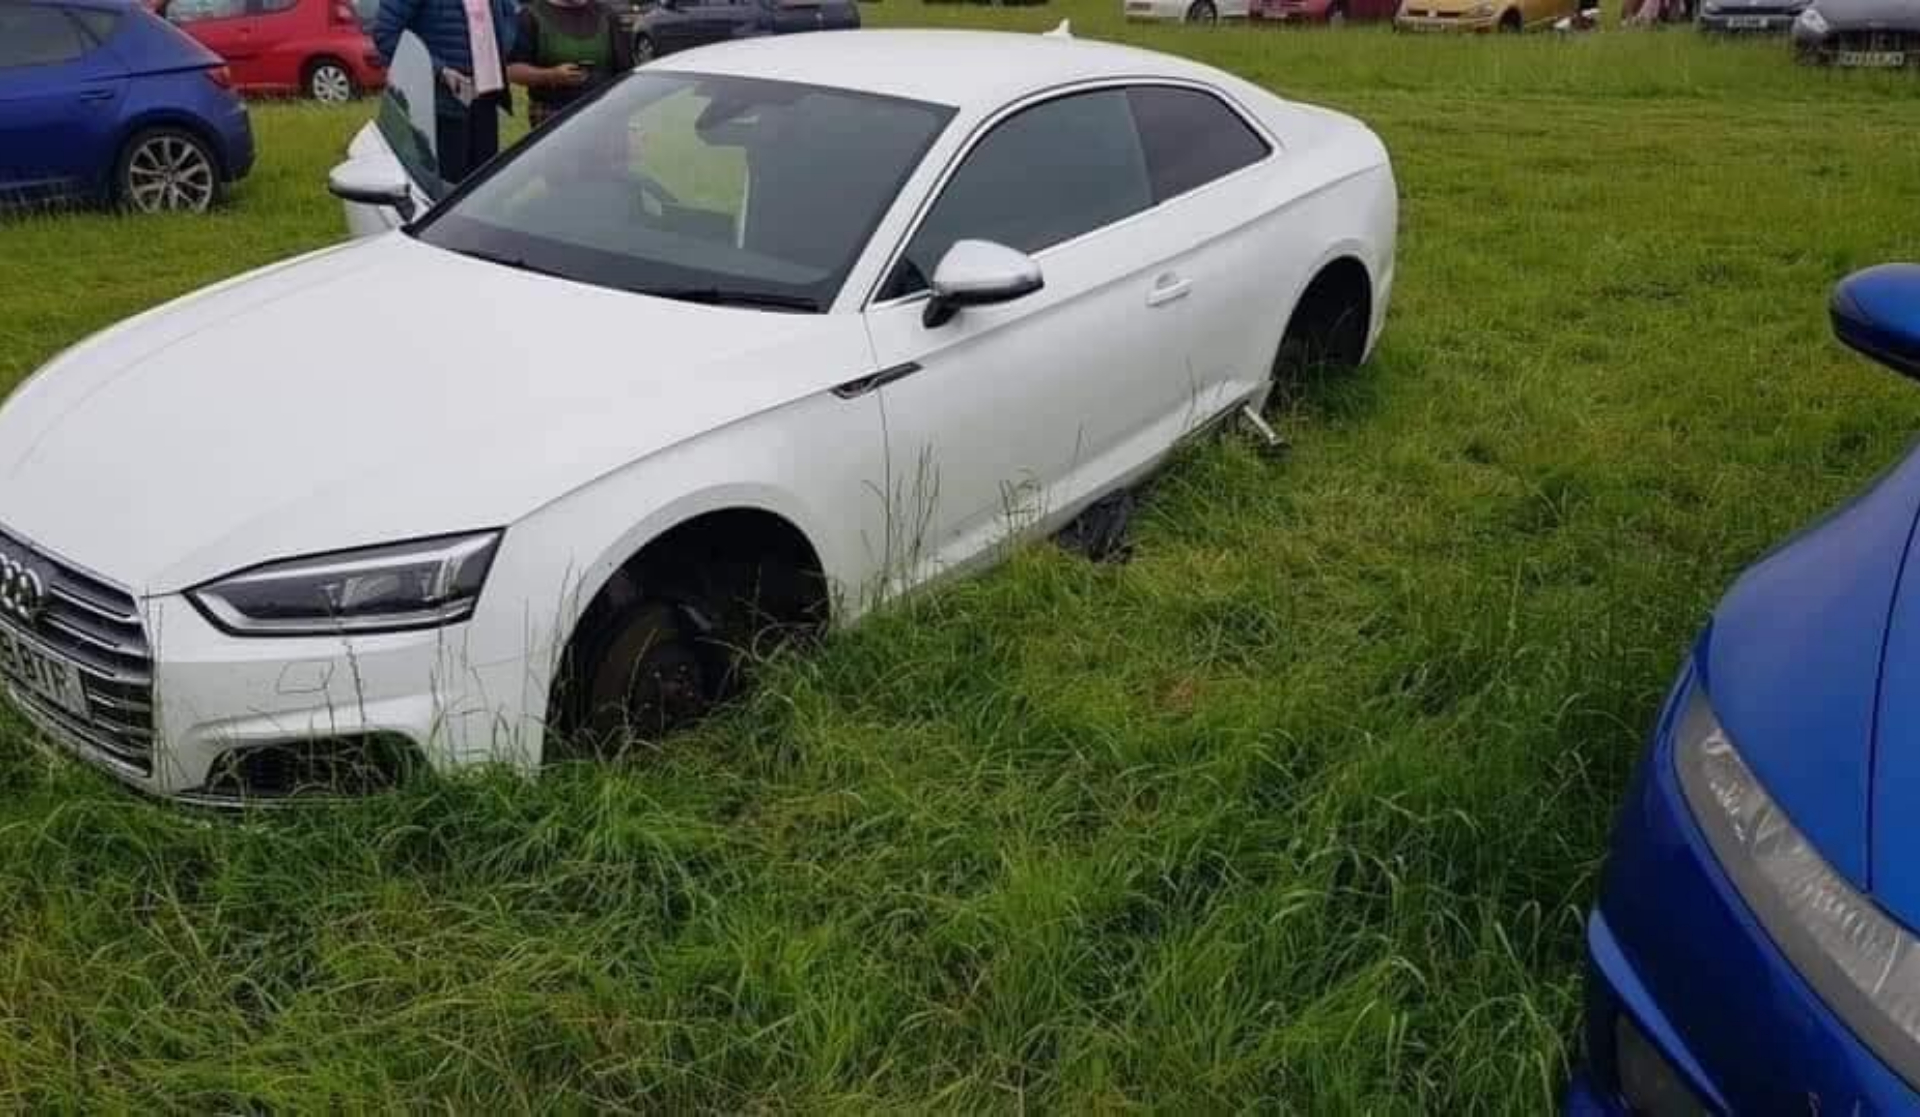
{"x": 1879, "y": 34}
{"x": 671, "y": 25}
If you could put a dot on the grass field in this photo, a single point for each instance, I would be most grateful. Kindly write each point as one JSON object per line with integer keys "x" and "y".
{"x": 1299, "y": 810}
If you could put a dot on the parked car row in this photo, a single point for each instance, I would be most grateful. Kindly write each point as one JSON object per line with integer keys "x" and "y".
{"x": 665, "y": 27}
{"x": 1407, "y": 15}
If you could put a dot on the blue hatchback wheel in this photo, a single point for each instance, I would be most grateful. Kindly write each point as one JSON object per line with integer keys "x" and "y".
{"x": 168, "y": 171}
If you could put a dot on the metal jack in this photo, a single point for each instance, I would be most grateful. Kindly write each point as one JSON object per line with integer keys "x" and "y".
{"x": 1273, "y": 444}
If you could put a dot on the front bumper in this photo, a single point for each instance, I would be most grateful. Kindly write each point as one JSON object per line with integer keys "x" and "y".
{"x": 219, "y": 699}
{"x": 1425, "y": 21}
{"x": 1674, "y": 949}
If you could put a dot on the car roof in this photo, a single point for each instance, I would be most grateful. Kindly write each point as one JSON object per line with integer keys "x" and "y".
{"x": 965, "y": 69}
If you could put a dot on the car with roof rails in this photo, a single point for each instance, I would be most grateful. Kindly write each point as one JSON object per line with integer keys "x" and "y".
{"x": 906, "y": 297}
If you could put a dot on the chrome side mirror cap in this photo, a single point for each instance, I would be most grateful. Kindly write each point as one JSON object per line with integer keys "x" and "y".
{"x": 979, "y": 273}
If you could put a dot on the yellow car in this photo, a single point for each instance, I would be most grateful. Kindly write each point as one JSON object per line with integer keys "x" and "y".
{"x": 1481, "y": 15}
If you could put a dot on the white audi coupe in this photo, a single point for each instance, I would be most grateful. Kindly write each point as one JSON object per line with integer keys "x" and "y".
{"x": 751, "y": 341}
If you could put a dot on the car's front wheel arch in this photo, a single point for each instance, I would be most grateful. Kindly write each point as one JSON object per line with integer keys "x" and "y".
{"x": 689, "y": 611}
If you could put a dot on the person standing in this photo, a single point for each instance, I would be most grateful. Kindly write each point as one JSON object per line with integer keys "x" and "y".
{"x": 468, "y": 41}
{"x": 564, "y": 50}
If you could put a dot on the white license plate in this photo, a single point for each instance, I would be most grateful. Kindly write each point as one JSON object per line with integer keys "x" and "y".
{"x": 43, "y": 675}
{"x": 1747, "y": 23}
{"x": 1880, "y": 59}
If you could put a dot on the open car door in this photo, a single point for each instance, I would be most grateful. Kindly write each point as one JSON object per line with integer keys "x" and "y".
{"x": 392, "y": 172}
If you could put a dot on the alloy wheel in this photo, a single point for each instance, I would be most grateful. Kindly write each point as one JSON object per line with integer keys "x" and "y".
{"x": 170, "y": 173}
{"x": 330, "y": 84}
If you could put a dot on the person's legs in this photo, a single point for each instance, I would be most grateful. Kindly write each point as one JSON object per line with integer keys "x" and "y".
{"x": 483, "y": 131}
{"x": 451, "y": 140}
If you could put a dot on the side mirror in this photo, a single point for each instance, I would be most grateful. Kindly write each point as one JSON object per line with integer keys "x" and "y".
{"x": 1877, "y": 312}
{"x": 979, "y": 273}
{"x": 372, "y": 181}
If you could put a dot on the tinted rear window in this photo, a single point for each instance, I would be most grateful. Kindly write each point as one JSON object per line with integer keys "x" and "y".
{"x": 1191, "y": 138}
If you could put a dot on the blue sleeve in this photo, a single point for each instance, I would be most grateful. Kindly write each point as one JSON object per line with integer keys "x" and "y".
{"x": 506, "y": 22}
{"x": 393, "y": 17}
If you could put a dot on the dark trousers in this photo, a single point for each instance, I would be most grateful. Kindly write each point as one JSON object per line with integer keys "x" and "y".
{"x": 467, "y": 137}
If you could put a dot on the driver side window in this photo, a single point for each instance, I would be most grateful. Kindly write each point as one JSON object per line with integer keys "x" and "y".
{"x": 1044, "y": 176}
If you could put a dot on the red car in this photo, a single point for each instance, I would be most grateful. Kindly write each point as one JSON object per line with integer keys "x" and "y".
{"x": 1331, "y": 12}
{"x": 315, "y": 48}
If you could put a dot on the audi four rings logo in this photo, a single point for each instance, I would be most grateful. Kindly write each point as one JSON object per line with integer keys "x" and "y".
{"x": 21, "y": 593}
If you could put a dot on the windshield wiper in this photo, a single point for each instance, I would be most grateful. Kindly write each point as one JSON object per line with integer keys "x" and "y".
{"x": 727, "y": 296}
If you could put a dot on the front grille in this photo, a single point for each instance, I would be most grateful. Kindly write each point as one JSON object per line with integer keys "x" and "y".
{"x": 1865, "y": 41}
{"x": 96, "y": 626}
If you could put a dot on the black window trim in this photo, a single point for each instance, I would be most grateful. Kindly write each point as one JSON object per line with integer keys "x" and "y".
{"x": 873, "y": 302}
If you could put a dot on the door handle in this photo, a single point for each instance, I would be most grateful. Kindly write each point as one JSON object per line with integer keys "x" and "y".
{"x": 96, "y": 94}
{"x": 1168, "y": 288}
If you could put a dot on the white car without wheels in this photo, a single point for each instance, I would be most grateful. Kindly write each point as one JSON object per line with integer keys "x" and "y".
{"x": 757, "y": 338}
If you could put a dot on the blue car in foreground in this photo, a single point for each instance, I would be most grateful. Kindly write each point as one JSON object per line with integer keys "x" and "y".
{"x": 101, "y": 100}
{"x": 1753, "y": 949}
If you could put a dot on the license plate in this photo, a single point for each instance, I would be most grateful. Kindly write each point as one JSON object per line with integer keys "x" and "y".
{"x": 47, "y": 677}
{"x": 1882, "y": 59}
{"x": 1747, "y": 23}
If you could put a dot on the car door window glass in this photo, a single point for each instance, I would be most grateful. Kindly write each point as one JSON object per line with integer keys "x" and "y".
{"x": 33, "y": 36}
{"x": 194, "y": 11}
{"x": 1044, "y": 176}
{"x": 1191, "y": 138}
{"x": 99, "y": 24}
{"x": 274, "y": 7}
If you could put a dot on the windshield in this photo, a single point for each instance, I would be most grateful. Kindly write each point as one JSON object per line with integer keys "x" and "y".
{"x": 715, "y": 189}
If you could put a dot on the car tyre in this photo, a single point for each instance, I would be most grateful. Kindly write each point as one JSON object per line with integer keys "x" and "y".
{"x": 644, "y": 50}
{"x": 1203, "y": 11}
{"x": 329, "y": 83}
{"x": 1510, "y": 23}
{"x": 167, "y": 170}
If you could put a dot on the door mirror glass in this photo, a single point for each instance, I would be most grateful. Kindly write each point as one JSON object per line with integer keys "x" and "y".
{"x": 1877, "y": 312}
{"x": 979, "y": 273}
{"x": 406, "y": 115}
{"x": 372, "y": 181}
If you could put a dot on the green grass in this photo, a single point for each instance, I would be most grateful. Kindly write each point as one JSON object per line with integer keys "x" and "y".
{"x": 1298, "y": 810}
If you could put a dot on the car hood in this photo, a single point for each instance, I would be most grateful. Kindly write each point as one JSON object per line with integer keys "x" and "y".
{"x": 1898, "y": 15}
{"x": 1793, "y": 666}
{"x": 381, "y": 390}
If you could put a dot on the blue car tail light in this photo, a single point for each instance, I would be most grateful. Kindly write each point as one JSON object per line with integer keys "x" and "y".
{"x": 1859, "y": 961}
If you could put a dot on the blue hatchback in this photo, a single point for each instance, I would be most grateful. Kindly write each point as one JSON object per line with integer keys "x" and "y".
{"x": 1754, "y": 948}
{"x": 101, "y": 100}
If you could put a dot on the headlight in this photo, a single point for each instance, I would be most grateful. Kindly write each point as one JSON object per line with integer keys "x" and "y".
{"x": 376, "y": 589}
{"x": 1862, "y": 964}
{"x": 1813, "y": 21}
